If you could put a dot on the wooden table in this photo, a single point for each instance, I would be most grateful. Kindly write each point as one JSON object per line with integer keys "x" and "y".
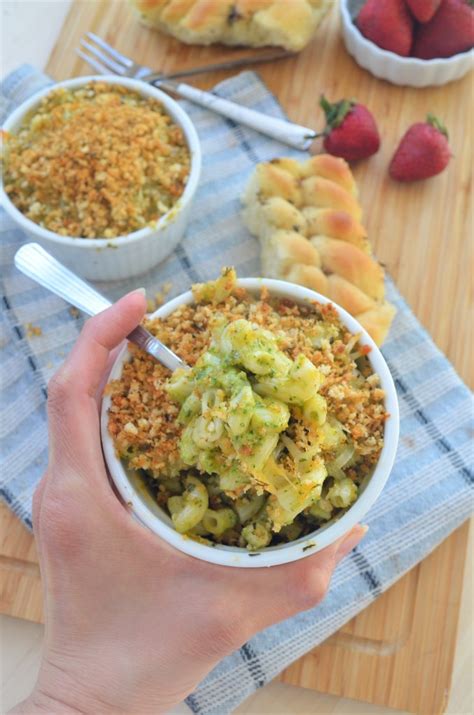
{"x": 421, "y": 233}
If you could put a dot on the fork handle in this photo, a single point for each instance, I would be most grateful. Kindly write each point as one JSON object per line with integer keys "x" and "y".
{"x": 36, "y": 263}
{"x": 293, "y": 135}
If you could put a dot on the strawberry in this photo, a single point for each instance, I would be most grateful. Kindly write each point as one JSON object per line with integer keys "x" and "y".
{"x": 449, "y": 32}
{"x": 387, "y": 23}
{"x": 423, "y": 10}
{"x": 351, "y": 131}
{"x": 423, "y": 151}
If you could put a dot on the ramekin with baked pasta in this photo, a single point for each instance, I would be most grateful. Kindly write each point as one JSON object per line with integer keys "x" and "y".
{"x": 275, "y": 441}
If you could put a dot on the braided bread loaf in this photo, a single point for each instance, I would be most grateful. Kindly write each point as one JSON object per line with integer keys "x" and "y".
{"x": 288, "y": 23}
{"x": 307, "y": 218}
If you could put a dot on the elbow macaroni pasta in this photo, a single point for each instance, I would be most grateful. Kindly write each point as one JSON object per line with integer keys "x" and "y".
{"x": 188, "y": 510}
{"x": 266, "y": 450}
{"x": 236, "y": 405}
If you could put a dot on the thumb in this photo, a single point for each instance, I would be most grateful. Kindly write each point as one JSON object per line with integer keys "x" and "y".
{"x": 350, "y": 541}
{"x": 88, "y": 359}
{"x": 82, "y": 371}
{"x": 72, "y": 408}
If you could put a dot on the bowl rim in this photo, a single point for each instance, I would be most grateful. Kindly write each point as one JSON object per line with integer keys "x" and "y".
{"x": 171, "y": 107}
{"x": 351, "y": 27}
{"x": 283, "y": 553}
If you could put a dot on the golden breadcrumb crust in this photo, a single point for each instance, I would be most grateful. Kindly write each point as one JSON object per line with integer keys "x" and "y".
{"x": 142, "y": 417}
{"x": 98, "y": 161}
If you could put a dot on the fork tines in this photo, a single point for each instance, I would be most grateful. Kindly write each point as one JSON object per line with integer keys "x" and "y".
{"x": 104, "y": 58}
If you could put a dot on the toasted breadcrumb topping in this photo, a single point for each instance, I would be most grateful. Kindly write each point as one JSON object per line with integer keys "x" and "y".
{"x": 142, "y": 417}
{"x": 98, "y": 161}
{"x": 33, "y": 331}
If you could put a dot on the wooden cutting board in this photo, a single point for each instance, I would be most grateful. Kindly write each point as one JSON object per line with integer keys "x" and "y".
{"x": 399, "y": 651}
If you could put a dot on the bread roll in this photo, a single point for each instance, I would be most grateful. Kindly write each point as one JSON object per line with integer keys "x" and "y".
{"x": 286, "y": 23}
{"x": 351, "y": 263}
{"x": 323, "y": 193}
{"x": 338, "y": 224}
{"x": 308, "y": 221}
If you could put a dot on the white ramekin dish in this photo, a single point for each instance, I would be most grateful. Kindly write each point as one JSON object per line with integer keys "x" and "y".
{"x": 145, "y": 509}
{"x": 124, "y": 256}
{"x": 406, "y": 71}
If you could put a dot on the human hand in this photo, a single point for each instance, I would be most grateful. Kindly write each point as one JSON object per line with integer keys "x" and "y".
{"x": 133, "y": 625}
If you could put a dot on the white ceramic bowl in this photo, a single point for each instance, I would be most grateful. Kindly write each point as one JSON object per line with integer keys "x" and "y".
{"x": 408, "y": 71}
{"x": 151, "y": 515}
{"x": 137, "y": 252}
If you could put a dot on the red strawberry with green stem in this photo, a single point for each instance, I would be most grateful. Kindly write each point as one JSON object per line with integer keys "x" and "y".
{"x": 423, "y": 10}
{"x": 423, "y": 152}
{"x": 450, "y": 31}
{"x": 351, "y": 131}
{"x": 387, "y": 23}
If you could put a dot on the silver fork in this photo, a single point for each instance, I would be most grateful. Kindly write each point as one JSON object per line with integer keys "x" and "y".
{"x": 36, "y": 263}
{"x": 106, "y": 59}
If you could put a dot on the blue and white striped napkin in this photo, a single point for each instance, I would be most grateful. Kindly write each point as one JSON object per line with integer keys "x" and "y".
{"x": 429, "y": 493}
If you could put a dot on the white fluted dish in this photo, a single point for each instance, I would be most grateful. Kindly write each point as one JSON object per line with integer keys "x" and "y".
{"x": 405, "y": 71}
{"x": 145, "y": 509}
{"x": 125, "y": 256}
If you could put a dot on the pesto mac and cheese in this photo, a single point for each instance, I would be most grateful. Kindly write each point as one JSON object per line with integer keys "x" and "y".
{"x": 270, "y": 432}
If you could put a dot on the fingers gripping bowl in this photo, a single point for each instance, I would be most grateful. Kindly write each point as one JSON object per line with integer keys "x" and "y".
{"x": 257, "y": 440}
{"x": 102, "y": 172}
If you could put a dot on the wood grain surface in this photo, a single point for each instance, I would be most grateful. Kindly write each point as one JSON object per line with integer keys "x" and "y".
{"x": 399, "y": 651}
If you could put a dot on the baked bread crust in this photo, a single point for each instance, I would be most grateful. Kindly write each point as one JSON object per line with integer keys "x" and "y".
{"x": 236, "y": 22}
{"x": 307, "y": 219}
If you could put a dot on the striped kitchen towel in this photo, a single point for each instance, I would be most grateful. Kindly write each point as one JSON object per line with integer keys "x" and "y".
{"x": 429, "y": 493}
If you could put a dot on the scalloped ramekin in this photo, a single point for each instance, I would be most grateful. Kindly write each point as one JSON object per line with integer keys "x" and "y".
{"x": 408, "y": 71}
{"x": 125, "y": 256}
{"x": 146, "y": 510}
